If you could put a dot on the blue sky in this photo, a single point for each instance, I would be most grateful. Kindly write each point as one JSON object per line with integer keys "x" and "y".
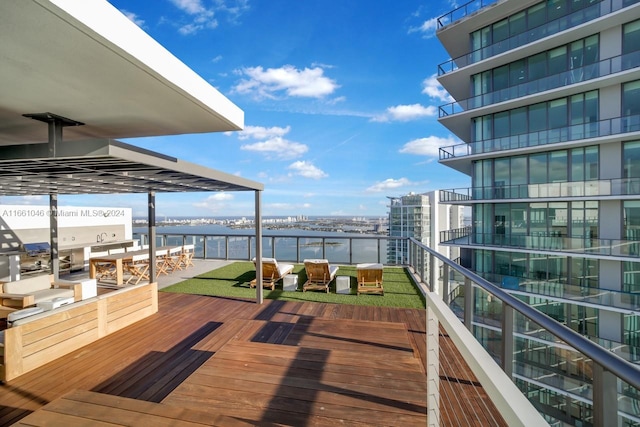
{"x": 340, "y": 102}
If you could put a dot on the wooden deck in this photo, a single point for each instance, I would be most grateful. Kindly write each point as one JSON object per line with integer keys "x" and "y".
{"x": 215, "y": 361}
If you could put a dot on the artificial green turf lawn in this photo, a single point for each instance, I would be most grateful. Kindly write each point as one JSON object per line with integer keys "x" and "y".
{"x": 233, "y": 281}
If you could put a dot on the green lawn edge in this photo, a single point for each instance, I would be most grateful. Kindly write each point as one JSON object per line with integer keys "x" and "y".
{"x": 232, "y": 281}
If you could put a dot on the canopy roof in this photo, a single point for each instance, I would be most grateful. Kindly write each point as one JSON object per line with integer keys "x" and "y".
{"x": 86, "y": 61}
{"x": 105, "y": 166}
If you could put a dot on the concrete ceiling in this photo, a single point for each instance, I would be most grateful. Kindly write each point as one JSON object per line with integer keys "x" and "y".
{"x": 84, "y": 60}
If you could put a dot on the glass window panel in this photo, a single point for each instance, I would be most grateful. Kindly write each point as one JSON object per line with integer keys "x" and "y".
{"x": 517, "y": 72}
{"x": 536, "y": 15}
{"x": 591, "y": 49}
{"x": 631, "y": 277}
{"x": 591, "y": 214}
{"x": 537, "y": 66}
{"x": 558, "y": 271}
{"x": 591, "y": 163}
{"x": 501, "y": 124}
{"x": 537, "y": 117}
{"x": 517, "y": 23}
{"x": 631, "y": 37}
{"x": 558, "y": 216}
{"x": 538, "y": 266}
{"x": 631, "y": 98}
{"x": 518, "y": 170}
{"x": 591, "y": 107}
{"x": 557, "y": 60}
{"x": 501, "y": 167}
{"x": 557, "y": 113}
{"x": 519, "y": 121}
{"x": 577, "y": 164}
{"x": 577, "y": 109}
{"x": 487, "y": 166}
{"x": 576, "y": 59}
{"x": 631, "y": 159}
{"x": 577, "y": 219}
{"x": 556, "y": 9}
{"x": 538, "y": 219}
{"x": 558, "y": 166}
{"x": 501, "y": 78}
{"x": 538, "y": 168}
{"x": 500, "y": 30}
{"x": 477, "y": 174}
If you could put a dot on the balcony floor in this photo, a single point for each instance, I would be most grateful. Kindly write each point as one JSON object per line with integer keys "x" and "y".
{"x": 215, "y": 361}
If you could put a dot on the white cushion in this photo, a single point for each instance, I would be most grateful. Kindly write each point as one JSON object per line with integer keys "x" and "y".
{"x": 29, "y": 285}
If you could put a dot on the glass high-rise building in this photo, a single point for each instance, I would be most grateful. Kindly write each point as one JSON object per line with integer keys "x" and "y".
{"x": 547, "y": 106}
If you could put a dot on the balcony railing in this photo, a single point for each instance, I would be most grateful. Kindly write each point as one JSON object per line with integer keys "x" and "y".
{"x": 536, "y": 350}
{"x": 579, "y": 17}
{"x": 596, "y": 188}
{"x": 580, "y": 74}
{"x": 585, "y": 373}
{"x": 285, "y": 247}
{"x": 602, "y": 128}
{"x": 544, "y": 241}
{"x": 462, "y": 11}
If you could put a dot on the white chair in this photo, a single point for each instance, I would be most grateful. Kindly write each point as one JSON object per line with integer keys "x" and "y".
{"x": 138, "y": 268}
{"x": 186, "y": 259}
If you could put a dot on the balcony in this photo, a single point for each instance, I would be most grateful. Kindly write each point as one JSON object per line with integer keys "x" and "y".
{"x": 544, "y": 242}
{"x": 577, "y": 75}
{"x": 602, "y": 128}
{"x": 592, "y": 190}
{"x": 579, "y": 17}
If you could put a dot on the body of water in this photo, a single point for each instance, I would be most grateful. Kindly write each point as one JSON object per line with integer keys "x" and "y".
{"x": 308, "y": 243}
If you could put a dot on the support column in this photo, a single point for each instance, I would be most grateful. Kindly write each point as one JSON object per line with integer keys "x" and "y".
{"x": 258, "y": 224}
{"x": 507, "y": 339}
{"x": 433, "y": 368}
{"x": 605, "y": 397}
{"x": 53, "y": 236}
{"x": 152, "y": 235}
{"x": 468, "y": 303}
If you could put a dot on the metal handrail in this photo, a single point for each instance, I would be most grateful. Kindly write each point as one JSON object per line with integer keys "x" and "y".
{"x": 607, "y": 360}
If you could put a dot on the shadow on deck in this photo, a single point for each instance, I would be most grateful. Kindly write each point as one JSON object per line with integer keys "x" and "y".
{"x": 217, "y": 361}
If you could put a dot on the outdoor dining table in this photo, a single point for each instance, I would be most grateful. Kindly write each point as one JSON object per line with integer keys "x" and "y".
{"x": 119, "y": 260}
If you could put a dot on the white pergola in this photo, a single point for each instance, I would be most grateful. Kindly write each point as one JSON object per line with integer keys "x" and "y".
{"x": 76, "y": 75}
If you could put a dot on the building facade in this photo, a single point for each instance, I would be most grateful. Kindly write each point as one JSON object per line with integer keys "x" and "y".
{"x": 423, "y": 217}
{"x": 547, "y": 105}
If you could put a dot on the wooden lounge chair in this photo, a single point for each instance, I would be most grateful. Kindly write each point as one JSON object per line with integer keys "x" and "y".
{"x": 271, "y": 272}
{"x": 319, "y": 275}
{"x": 370, "y": 278}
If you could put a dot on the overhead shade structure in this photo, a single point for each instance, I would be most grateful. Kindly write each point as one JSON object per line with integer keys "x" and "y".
{"x": 106, "y": 166}
{"x": 87, "y": 61}
{"x": 85, "y": 67}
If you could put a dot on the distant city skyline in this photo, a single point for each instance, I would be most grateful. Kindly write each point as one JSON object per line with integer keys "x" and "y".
{"x": 340, "y": 102}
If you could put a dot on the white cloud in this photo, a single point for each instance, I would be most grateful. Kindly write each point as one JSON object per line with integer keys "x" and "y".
{"x": 307, "y": 83}
{"x": 431, "y": 87}
{"x": 428, "y": 146}
{"x": 216, "y": 202}
{"x": 306, "y": 170}
{"x": 428, "y": 28}
{"x": 277, "y": 147}
{"x": 388, "y": 184}
{"x": 405, "y": 113}
{"x": 133, "y": 18}
{"x": 260, "y": 132}
{"x": 201, "y": 16}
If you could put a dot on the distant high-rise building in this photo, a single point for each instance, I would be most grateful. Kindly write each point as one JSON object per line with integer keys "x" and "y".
{"x": 547, "y": 106}
{"x": 422, "y": 217}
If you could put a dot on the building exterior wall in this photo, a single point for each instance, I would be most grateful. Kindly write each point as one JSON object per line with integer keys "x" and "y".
{"x": 551, "y": 121}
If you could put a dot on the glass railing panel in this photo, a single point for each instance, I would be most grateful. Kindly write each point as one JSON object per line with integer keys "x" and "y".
{"x": 285, "y": 248}
{"x": 337, "y": 250}
{"x": 628, "y": 403}
{"x": 462, "y": 11}
{"x": 216, "y": 247}
{"x": 603, "y": 68}
{"x": 615, "y": 126}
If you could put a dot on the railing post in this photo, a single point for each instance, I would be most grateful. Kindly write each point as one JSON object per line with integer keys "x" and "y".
{"x": 226, "y": 248}
{"x": 468, "y": 303}
{"x": 350, "y": 251}
{"x": 298, "y": 249}
{"x": 445, "y": 283}
{"x": 605, "y": 397}
{"x": 433, "y": 368}
{"x": 379, "y": 254}
{"x": 204, "y": 247}
{"x": 324, "y": 242}
{"x": 507, "y": 339}
{"x": 433, "y": 286}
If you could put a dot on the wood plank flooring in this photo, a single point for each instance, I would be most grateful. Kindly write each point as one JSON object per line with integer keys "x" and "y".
{"x": 230, "y": 362}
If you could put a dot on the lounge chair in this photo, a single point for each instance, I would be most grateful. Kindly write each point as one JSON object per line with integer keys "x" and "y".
{"x": 319, "y": 275}
{"x": 271, "y": 272}
{"x": 370, "y": 278}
